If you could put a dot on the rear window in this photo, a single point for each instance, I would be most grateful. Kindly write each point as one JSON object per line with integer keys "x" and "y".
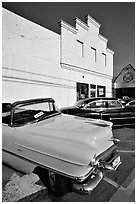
{"x": 6, "y": 107}
{"x": 114, "y": 104}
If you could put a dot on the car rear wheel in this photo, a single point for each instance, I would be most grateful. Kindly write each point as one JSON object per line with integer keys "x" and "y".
{"x": 57, "y": 184}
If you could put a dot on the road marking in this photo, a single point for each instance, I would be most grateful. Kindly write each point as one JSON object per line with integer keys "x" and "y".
{"x": 126, "y": 151}
{"x": 116, "y": 185}
{"x": 122, "y": 188}
{"x": 113, "y": 183}
{"x": 127, "y": 140}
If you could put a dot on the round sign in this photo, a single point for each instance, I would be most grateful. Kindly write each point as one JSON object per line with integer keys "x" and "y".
{"x": 128, "y": 77}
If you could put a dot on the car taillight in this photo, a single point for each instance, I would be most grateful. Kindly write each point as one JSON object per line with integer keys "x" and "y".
{"x": 115, "y": 140}
{"x": 94, "y": 161}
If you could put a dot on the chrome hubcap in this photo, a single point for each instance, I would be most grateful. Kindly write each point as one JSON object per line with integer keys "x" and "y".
{"x": 52, "y": 179}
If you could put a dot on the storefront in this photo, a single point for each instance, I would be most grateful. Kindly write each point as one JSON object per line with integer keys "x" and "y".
{"x": 124, "y": 83}
{"x": 90, "y": 90}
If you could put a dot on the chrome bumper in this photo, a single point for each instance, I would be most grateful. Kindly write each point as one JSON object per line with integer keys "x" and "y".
{"x": 89, "y": 184}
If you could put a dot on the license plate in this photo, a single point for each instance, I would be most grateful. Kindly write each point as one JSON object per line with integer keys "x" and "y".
{"x": 116, "y": 162}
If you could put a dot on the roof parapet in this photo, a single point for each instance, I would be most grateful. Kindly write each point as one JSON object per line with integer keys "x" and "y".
{"x": 103, "y": 38}
{"x": 68, "y": 26}
{"x": 110, "y": 51}
{"x": 93, "y": 21}
{"x": 81, "y": 23}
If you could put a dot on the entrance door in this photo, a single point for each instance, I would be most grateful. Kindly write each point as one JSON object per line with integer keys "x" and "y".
{"x": 82, "y": 90}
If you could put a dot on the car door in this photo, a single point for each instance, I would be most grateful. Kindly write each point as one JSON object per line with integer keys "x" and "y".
{"x": 7, "y": 148}
{"x": 96, "y": 108}
{"x": 113, "y": 111}
{"x": 82, "y": 112}
{"x": 128, "y": 115}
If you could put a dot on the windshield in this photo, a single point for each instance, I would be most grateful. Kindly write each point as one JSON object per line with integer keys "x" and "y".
{"x": 33, "y": 113}
{"x": 80, "y": 104}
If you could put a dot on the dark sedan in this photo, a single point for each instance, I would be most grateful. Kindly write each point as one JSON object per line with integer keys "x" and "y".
{"x": 126, "y": 101}
{"x": 109, "y": 109}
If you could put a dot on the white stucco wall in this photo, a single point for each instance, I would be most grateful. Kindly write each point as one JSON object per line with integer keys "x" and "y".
{"x": 31, "y": 61}
{"x": 37, "y": 62}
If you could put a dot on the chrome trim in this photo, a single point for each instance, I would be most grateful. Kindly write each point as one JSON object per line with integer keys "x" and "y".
{"x": 113, "y": 158}
{"x": 96, "y": 176}
{"x": 35, "y": 163}
{"x": 105, "y": 166}
{"x": 39, "y": 152}
{"x": 124, "y": 124}
{"x": 89, "y": 185}
{"x": 115, "y": 140}
{"x": 121, "y": 118}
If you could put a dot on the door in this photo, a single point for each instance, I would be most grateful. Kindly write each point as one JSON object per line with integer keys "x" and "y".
{"x": 82, "y": 90}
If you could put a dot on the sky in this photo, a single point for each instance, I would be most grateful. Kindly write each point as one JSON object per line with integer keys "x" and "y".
{"x": 117, "y": 21}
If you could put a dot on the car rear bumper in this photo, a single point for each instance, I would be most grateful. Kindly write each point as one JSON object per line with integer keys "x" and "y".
{"x": 87, "y": 186}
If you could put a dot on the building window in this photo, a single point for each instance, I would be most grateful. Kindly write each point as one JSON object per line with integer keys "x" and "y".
{"x": 80, "y": 48}
{"x": 92, "y": 86}
{"x": 104, "y": 59}
{"x": 92, "y": 90}
{"x": 93, "y": 54}
{"x": 101, "y": 91}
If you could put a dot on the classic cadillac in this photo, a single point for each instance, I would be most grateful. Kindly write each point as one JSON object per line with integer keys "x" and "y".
{"x": 68, "y": 153}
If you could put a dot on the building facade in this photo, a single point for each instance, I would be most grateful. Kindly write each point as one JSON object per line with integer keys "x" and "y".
{"x": 40, "y": 63}
{"x": 124, "y": 83}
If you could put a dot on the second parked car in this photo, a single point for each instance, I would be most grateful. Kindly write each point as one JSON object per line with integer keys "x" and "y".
{"x": 109, "y": 109}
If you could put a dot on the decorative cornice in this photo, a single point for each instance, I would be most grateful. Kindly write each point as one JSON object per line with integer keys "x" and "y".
{"x": 36, "y": 74}
{"x": 103, "y": 38}
{"x": 83, "y": 70}
{"x": 110, "y": 51}
{"x": 67, "y": 26}
{"x": 93, "y": 21}
{"x": 81, "y": 23}
{"x": 35, "y": 82}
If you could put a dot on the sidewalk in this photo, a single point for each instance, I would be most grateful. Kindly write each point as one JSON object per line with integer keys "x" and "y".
{"x": 126, "y": 192}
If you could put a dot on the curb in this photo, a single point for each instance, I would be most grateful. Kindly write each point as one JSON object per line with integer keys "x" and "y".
{"x": 126, "y": 192}
{"x": 32, "y": 196}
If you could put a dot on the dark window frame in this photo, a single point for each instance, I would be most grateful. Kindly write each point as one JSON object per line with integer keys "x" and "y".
{"x": 82, "y": 44}
{"x": 105, "y": 63}
{"x": 94, "y": 49}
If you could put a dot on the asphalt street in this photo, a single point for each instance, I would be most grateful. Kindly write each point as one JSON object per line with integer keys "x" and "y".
{"x": 116, "y": 186}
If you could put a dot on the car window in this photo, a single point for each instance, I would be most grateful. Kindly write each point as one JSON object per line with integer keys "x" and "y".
{"x": 6, "y": 117}
{"x": 32, "y": 112}
{"x": 97, "y": 104}
{"x": 6, "y": 113}
{"x": 114, "y": 104}
{"x": 132, "y": 103}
